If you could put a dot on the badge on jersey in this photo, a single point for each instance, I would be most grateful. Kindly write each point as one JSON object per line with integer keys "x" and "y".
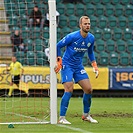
{"x": 89, "y": 44}
{"x": 83, "y": 71}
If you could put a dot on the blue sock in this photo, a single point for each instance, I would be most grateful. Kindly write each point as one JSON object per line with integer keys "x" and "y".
{"x": 87, "y": 102}
{"x": 64, "y": 103}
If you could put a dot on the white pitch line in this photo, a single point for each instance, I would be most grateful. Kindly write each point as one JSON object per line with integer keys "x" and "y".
{"x": 59, "y": 125}
{"x": 74, "y": 128}
{"x": 24, "y": 116}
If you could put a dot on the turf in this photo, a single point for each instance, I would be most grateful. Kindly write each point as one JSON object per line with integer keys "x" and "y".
{"x": 115, "y": 115}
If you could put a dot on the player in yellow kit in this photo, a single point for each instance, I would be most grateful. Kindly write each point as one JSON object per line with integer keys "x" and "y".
{"x": 16, "y": 70}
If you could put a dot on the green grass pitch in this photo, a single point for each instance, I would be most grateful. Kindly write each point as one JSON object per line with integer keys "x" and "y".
{"x": 115, "y": 115}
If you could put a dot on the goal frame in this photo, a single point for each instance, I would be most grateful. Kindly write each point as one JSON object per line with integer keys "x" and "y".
{"x": 53, "y": 78}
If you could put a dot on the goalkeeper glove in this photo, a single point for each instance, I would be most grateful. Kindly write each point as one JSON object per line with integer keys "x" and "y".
{"x": 95, "y": 68}
{"x": 58, "y": 67}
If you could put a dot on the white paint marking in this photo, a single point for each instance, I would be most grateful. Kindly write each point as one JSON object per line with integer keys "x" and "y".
{"x": 74, "y": 128}
{"x": 32, "y": 118}
{"x": 40, "y": 121}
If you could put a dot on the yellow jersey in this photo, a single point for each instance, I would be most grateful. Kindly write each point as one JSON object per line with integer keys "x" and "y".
{"x": 15, "y": 68}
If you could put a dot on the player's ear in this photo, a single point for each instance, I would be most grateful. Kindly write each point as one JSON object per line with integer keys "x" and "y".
{"x": 80, "y": 26}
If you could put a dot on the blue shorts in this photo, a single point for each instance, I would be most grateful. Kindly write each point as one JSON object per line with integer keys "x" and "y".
{"x": 69, "y": 74}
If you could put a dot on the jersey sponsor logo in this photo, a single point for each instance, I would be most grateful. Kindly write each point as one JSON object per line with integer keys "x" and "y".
{"x": 89, "y": 44}
{"x": 80, "y": 49}
{"x": 76, "y": 43}
{"x": 83, "y": 71}
{"x": 83, "y": 43}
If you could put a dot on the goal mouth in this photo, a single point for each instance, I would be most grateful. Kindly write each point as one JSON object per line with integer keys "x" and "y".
{"x": 35, "y": 100}
{"x": 19, "y": 109}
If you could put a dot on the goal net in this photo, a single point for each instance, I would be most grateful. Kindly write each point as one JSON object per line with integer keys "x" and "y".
{"x": 34, "y": 101}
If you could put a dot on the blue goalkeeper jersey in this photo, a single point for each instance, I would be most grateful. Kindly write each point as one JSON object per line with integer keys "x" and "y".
{"x": 76, "y": 46}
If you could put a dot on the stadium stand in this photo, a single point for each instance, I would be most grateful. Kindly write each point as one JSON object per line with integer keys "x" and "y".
{"x": 120, "y": 46}
{"x": 119, "y": 10}
{"x": 93, "y": 21}
{"x": 117, "y": 34}
{"x": 109, "y": 8}
{"x": 102, "y": 21}
{"x": 90, "y": 9}
{"x": 70, "y": 9}
{"x": 28, "y": 42}
{"x": 25, "y": 32}
{"x": 107, "y": 34}
{"x": 41, "y": 58}
{"x": 79, "y": 9}
{"x": 111, "y": 23}
{"x": 127, "y": 34}
{"x": 98, "y": 33}
{"x": 114, "y": 59}
{"x": 130, "y": 21}
{"x": 131, "y": 59}
{"x": 63, "y": 21}
{"x": 99, "y": 9}
{"x": 122, "y": 22}
{"x": 104, "y": 59}
{"x": 105, "y": 2}
{"x": 114, "y": 2}
{"x": 30, "y": 58}
{"x": 128, "y": 10}
{"x": 61, "y": 8}
{"x": 110, "y": 46}
{"x": 100, "y": 45}
{"x": 124, "y": 59}
{"x": 125, "y": 2}
{"x": 95, "y": 1}
{"x": 130, "y": 46}
{"x": 72, "y": 21}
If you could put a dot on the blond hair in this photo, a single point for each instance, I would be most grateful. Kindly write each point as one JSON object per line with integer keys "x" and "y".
{"x": 83, "y": 17}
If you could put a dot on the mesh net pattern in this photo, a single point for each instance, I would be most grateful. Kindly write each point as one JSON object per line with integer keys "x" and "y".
{"x": 25, "y": 104}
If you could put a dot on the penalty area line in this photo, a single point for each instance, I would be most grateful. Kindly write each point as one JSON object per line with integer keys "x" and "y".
{"x": 73, "y": 128}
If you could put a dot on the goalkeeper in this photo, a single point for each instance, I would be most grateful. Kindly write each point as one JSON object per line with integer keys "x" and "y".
{"x": 16, "y": 70}
{"x": 72, "y": 70}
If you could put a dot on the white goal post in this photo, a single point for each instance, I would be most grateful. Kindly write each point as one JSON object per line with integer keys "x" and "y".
{"x": 53, "y": 81}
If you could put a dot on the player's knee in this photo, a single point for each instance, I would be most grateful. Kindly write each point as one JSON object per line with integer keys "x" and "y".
{"x": 11, "y": 84}
{"x": 88, "y": 90}
{"x": 69, "y": 90}
{"x": 68, "y": 87}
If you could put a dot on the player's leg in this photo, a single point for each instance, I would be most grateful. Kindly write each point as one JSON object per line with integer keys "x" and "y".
{"x": 15, "y": 80}
{"x": 67, "y": 78}
{"x": 26, "y": 88}
{"x": 68, "y": 87}
{"x": 11, "y": 87}
{"x": 42, "y": 23}
{"x": 86, "y": 86}
{"x": 82, "y": 79}
{"x": 87, "y": 96}
{"x": 30, "y": 22}
{"x": 21, "y": 86}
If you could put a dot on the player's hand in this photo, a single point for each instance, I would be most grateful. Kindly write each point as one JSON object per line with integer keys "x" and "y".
{"x": 96, "y": 71}
{"x": 95, "y": 68}
{"x": 58, "y": 67}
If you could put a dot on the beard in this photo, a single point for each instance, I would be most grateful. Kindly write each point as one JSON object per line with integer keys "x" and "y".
{"x": 86, "y": 31}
